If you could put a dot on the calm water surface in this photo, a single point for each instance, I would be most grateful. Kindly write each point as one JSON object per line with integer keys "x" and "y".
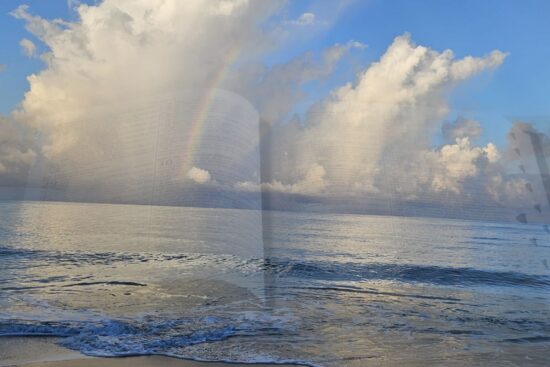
{"x": 247, "y": 286}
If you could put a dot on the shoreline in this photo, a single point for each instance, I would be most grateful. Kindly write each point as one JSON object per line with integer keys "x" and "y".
{"x": 43, "y": 351}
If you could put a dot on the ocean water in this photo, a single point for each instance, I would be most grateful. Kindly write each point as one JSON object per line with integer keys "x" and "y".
{"x": 251, "y": 286}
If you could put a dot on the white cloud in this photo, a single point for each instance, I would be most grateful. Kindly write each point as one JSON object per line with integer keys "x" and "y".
{"x": 373, "y": 136}
{"x": 198, "y": 175}
{"x": 120, "y": 50}
{"x": 370, "y": 137}
{"x": 334, "y": 53}
{"x": 279, "y": 89}
{"x": 464, "y": 68}
{"x": 16, "y": 153}
{"x": 313, "y": 183}
{"x": 229, "y": 7}
{"x": 510, "y": 191}
{"x": 113, "y": 76}
{"x": 462, "y": 128}
{"x": 492, "y": 153}
{"x": 28, "y": 47}
{"x": 73, "y": 4}
{"x": 311, "y": 23}
{"x": 453, "y": 164}
{"x": 357, "y": 44}
{"x": 304, "y": 19}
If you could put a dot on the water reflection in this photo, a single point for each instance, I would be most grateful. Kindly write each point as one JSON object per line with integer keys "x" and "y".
{"x": 342, "y": 289}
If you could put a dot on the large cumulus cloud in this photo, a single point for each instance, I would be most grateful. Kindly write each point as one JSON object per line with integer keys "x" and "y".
{"x": 374, "y": 136}
{"x": 122, "y": 49}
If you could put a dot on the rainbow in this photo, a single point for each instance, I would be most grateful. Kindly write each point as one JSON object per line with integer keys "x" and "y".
{"x": 197, "y": 123}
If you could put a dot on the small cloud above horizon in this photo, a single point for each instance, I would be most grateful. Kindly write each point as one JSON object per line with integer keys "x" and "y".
{"x": 199, "y": 176}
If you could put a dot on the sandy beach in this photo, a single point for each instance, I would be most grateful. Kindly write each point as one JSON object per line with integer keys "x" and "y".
{"x": 44, "y": 352}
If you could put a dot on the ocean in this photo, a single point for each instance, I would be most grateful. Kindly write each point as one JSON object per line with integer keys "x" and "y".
{"x": 250, "y": 286}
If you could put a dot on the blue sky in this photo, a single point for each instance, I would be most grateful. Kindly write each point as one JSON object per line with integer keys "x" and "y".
{"x": 518, "y": 89}
{"x": 13, "y": 83}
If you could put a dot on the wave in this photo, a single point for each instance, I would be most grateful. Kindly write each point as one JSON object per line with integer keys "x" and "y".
{"x": 380, "y": 293}
{"x": 291, "y": 267}
{"x": 530, "y": 339}
{"x": 112, "y": 282}
{"x": 155, "y": 335}
{"x": 325, "y": 270}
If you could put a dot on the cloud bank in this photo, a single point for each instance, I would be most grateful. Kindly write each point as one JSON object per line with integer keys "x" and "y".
{"x": 230, "y": 129}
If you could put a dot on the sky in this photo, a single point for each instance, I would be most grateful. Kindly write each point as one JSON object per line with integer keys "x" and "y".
{"x": 304, "y": 67}
{"x": 468, "y": 27}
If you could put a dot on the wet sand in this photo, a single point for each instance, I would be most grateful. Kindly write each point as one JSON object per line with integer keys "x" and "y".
{"x": 44, "y": 352}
